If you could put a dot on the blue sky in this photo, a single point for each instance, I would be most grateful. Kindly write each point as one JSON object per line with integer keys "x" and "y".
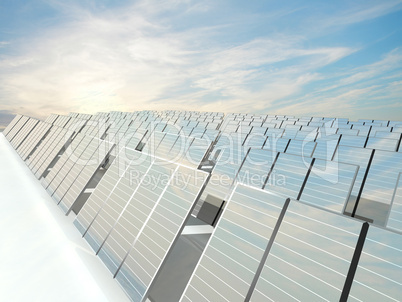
{"x": 302, "y": 58}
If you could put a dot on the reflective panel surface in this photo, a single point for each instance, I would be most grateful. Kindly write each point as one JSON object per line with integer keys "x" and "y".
{"x": 310, "y": 257}
{"x": 231, "y": 259}
{"x": 379, "y": 274}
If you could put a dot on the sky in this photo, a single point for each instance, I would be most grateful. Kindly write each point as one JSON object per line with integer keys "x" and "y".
{"x": 301, "y": 58}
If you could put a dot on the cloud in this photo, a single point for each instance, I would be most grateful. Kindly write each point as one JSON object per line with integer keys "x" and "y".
{"x": 368, "y": 10}
{"x": 4, "y": 43}
{"x": 143, "y": 56}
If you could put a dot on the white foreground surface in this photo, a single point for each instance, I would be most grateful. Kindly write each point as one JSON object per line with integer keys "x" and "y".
{"x": 42, "y": 254}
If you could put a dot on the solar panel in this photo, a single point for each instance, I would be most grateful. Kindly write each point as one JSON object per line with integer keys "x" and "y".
{"x": 17, "y": 127}
{"x": 231, "y": 259}
{"x": 37, "y": 154}
{"x": 353, "y": 141}
{"x": 376, "y": 129}
{"x": 160, "y": 232}
{"x": 391, "y": 135}
{"x": 379, "y": 187}
{"x": 102, "y": 192}
{"x": 196, "y": 153}
{"x": 257, "y": 129}
{"x": 133, "y": 138}
{"x": 329, "y": 185}
{"x": 233, "y": 144}
{"x": 75, "y": 124}
{"x": 47, "y": 156}
{"x": 133, "y": 214}
{"x": 81, "y": 174}
{"x": 348, "y": 131}
{"x": 11, "y": 125}
{"x": 276, "y": 144}
{"x": 72, "y": 168}
{"x": 28, "y": 140}
{"x": 379, "y": 274}
{"x": 64, "y": 160}
{"x": 382, "y": 143}
{"x": 326, "y": 147}
{"x": 255, "y": 140}
{"x": 165, "y": 145}
{"x": 275, "y": 132}
{"x": 222, "y": 178}
{"x": 123, "y": 188}
{"x": 62, "y": 120}
{"x": 288, "y": 175}
{"x": 23, "y": 133}
{"x": 395, "y": 214}
{"x": 210, "y": 134}
{"x": 255, "y": 168}
{"x": 354, "y": 156}
{"x": 115, "y": 128}
{"x": 174, "y": 148}
{"x": 153, "y": 141}
{"x": 310, "y": 257}
{"x": 303, "y": 148}
{"x": 363, "y": 130}
{"x": 35, "y": 139}
{"x": 306, "y": 134}
{"x": 51, "y": 118}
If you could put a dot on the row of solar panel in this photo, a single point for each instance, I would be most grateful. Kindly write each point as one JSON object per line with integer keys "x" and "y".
{"x": 375, "y": 192}
{"x": 267, "y": 249}
{"x": 368, "y": 136}
{"x": 135, "y": 215}
{"x": 354, "y": 180}
{"x": 297, "y": 123}
{"x": 241, "y": 117}
{"x": 259, "y": 123}
{"x": 121, "y": 223}
{"x": 142, "y": 203}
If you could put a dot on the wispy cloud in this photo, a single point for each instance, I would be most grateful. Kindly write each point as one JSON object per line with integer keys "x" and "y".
{"x": 4, "y": 43}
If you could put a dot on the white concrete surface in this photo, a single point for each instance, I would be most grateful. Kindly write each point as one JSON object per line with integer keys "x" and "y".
{"x": 42, "y": 255}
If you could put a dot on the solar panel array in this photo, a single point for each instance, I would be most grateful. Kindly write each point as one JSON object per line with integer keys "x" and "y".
{"x": 277, "y": 191}
{"x": 266, "y": 248}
